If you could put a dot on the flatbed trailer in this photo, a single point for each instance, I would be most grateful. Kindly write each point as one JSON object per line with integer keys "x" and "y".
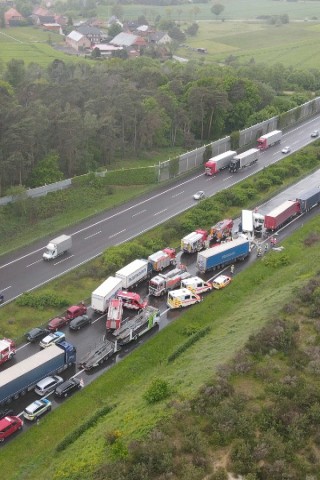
{"x": 98, "y": 354}
{"x": 134, "y": 328}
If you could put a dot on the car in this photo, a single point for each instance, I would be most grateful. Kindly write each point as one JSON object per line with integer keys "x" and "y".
{"x": 7, "y": 412}
{"x": 36, "y": 409}
{"x": 51, "y": 339}
{"x": 80, "y": 322}
{"x": 36, "y": 334}
{"x": 57, "y": 323}
{"x": 221, "y": 281}
{"x": 286, "y": 150}
{"x": 67, "y": 387}
{"x": 9, "y": 425}
{"x": 199, "y": 195}
{"x": 315, "y": 133}
{"x": 47, "y": 385}
{"x": 75, "y": 311}
{"x": 1, "y": 298}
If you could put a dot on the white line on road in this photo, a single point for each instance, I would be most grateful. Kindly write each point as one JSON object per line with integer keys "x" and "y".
{"x": 118, "y": 233}
{"x": 161, "y": 211}
{"x": 5, "y": 288}
{"x": 177, "y": 194}
{"x": 93, "y": 235}
{"x": 139, "y": 213}
{"x": 61, "y": 261}
{"x": 33, "y": 263}
{"x": 21, "y": 258}
{"x": 225, "y": 179}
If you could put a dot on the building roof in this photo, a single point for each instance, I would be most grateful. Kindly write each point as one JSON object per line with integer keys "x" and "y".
{"x": 12, "y": 13}
{"x": 74, "y": 35}
{"x": 143, "y": 28}
{"x": 105, "y": 47}
{"x": 124, "y": 39}
{"x": 41, "y": 11}
{"x": 157, "y": 36}
{"x": 87, "y": 30}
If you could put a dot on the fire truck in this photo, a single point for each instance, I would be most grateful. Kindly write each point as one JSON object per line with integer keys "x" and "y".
{"x": 114, "y": 315}
{"x": 162, "y": 259}
{"x": 7, "y": 350}
{"x": 131, "y": 300}
{"x": 221, "y": 230}
{"x": 162, "y": 283}
{"x": 195, "y": 241}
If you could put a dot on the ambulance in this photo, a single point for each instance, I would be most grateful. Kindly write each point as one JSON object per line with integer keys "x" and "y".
{"x": 182, "y": 298}
{"x": 196, "y": 285}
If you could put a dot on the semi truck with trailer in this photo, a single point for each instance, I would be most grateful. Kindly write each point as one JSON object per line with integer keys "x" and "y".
{"x": 162, "y": 259}
{"x": 7, "y": 350}
{"x": 244, "y": 159}
{"x": 281, "y": 215}
{"x": 162, "y": 283}
{"x": 222, "y": 255}
{"x": 23, "y": 376}
{"x": 135, "y": 327}
{"x": 269, "y": 139}
{"x": 309, "y": 199}
{"x": 58, "y": 246}
{"x": 98, "y": 354}
{"x": 215, "y": 164}
{"x": 101, "y": 297}
{"x": 195, "y": 241}
{"x": 134, "y": 273}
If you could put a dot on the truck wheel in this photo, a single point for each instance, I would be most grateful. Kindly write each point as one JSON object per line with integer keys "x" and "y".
{"x": 23, "y": 393}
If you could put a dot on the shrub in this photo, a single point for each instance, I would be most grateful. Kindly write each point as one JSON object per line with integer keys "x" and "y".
{"x": 158, "y": 390}
{"x": 40, "y": 302}
{"x": 191, "y": 340}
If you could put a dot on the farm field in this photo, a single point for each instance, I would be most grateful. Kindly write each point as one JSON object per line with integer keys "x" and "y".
{"x": 292, "y": 44}
{"x": 31, "y": 45}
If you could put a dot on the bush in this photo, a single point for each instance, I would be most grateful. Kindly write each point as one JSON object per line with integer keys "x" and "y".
{"x": 158, "y": 390}
{"x": 40, "y": 302}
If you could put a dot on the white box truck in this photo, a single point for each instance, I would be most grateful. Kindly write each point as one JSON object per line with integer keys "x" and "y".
{"x": 135, "y": 272}
{"x": 104, "y": 293}
{"x": 58, "y": 246}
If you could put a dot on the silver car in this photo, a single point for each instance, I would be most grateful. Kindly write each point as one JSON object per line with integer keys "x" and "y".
{"x": 47, "y": 385}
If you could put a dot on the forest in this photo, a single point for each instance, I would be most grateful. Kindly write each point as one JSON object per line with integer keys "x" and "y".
{"x": 69, "y": 119}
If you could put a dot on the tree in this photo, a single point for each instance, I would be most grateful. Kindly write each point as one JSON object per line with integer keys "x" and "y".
{"x": 192, "y": 30}
{"x": 117, "y": 10}
{"x": 47, "y": 171}
{"x": 217, "y": 9}
{"x": 114, "y": 30}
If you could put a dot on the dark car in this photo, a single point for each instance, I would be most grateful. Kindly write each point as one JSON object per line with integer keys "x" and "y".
{"x": 36, "y": 334}
{"x": 1, "y": 298}
{"x": 68, "y": 387}
{"x": 7, "y": 412}
{"x": 79, "y": 322}
{"x": 57, "y": 323}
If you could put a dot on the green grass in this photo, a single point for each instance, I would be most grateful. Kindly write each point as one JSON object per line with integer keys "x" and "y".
{"x": 255, "y": 296}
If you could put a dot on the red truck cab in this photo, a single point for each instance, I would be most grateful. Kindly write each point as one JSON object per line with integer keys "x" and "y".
{"x": 131, "y": 300}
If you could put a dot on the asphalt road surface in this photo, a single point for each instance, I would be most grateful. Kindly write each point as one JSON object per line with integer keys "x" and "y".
{"x": 24, "y": 270}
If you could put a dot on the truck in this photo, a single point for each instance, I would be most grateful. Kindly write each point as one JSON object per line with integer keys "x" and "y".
{"x": 134, "y": 273}
{"x": 219, "y": 162}
{"x": 269, "y": 139}
{"x": 7, "y": 350}
{"x": 101, "y": 297}
{"x": 222, "y": 255}
{"x": 98, "y": 354}
{"x": 138, "y": 325}
{"x": 162, "y": 259}
{"x": 131, "y": 300}
{"x": 56, "y": 247}
{"x": 251, "y": 222}
{"x": 183, "y": 297}
{"x": 244, "y": 160}
{"x": 196, "y": 285}
{"x": 24, "y": 375}
{"x": 309, "y": 199}
{"x": 281, "y": 215}
{"x": 221, "y": 230}
{"x": 195, "y": 241}
{"x": 114, "y": 315}
{"x": 162, "y": 283}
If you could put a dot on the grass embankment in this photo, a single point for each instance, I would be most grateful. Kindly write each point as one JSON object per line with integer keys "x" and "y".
{"x": 255, "y": 296}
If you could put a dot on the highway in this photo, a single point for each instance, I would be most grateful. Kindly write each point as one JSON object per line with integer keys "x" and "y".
{"x": 24, "y": 270}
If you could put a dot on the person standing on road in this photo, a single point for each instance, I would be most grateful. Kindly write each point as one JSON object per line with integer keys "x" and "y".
{"x": 232, "y": 269}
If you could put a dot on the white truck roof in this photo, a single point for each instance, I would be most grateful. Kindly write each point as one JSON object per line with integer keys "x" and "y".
{"x": 247, "y": 153}
{"x": 109, "y": 284}
{"x": 192, "y": 237}
{"x": 192, "y": 280}
{"x": 181, "y": 292}
{"x": 271, "y": 134}
{"x": 132, "y": 267}
{"x": 157, "y": 255}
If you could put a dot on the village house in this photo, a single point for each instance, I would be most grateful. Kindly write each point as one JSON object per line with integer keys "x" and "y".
{"x": 93, "y": 34}
{"x": 77, "y": 41}
{"x": 128, "y": 41}
{"x": 12, "y": 17}
{"x": 159, "y": 38}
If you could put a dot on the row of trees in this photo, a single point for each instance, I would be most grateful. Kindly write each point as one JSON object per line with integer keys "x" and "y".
{"x": 87, "y": 116}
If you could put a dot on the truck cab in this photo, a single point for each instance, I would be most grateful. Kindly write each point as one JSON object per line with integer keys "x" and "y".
{"x": 131, "y": 300}
{"x": 7, "y": 350}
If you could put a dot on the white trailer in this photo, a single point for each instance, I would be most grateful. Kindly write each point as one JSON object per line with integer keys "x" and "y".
{"x": 104, "y": 293}
{"x": 244, "y": 160}
{"x": 58, "y": 246}
{"x": 269, "y": 139}
{"x": 219, "y": 162}
{"x": 135, "y": 272}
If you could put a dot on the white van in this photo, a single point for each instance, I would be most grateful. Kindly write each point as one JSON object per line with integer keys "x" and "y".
{"x": 182, "y": 298}
{"x": 196, "y": 285}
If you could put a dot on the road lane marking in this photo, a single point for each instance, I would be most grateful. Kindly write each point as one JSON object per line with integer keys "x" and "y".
{"x": 93, "y": 235}
{"x": 177, "y": 194}
{"x": 5, "y": 288}
{"x": 161, "y": 211}
{"x": 225, "y": 179}
{"x": 33, "y": 263}
{"x": 118, "y": 233}
{"x": 64, "y": 260}
{"x": 139, "y": 213}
